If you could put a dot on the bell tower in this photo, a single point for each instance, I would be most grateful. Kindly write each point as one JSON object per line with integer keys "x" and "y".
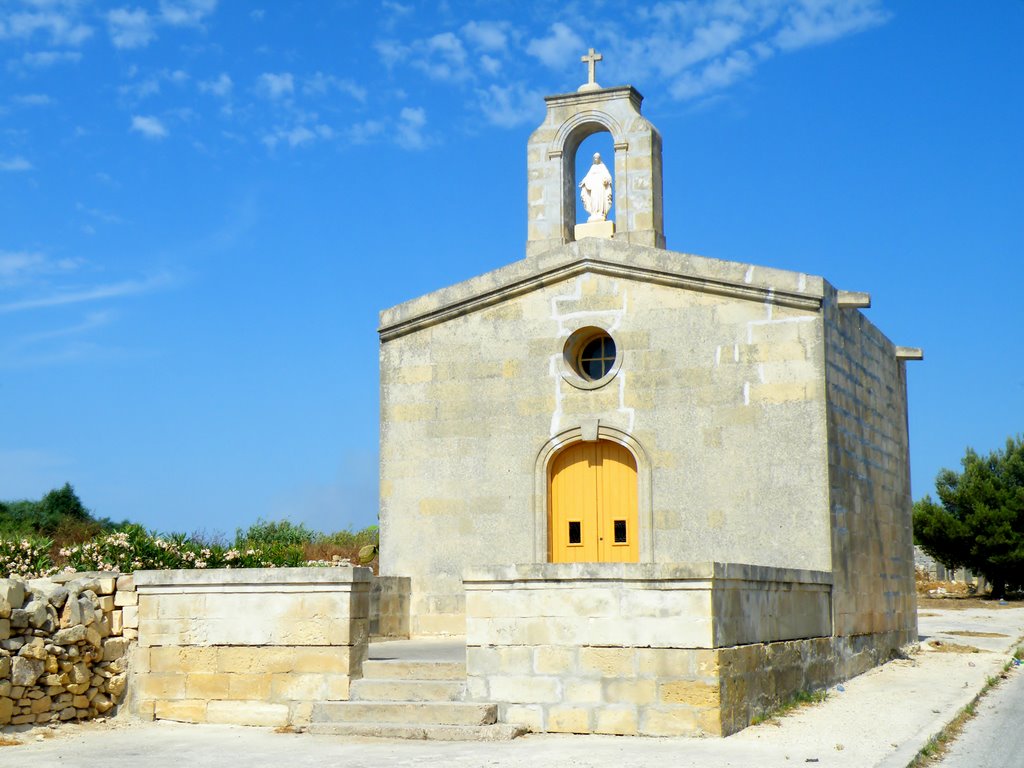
{"x": 551, "y": 166}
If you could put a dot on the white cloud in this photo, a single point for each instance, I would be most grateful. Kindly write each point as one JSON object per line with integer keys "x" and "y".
{"x": 409, "y": 131}
{"x": 441, "y": 57}
{"x": 365, "y": 132}
{"x": 130, "y": 28}
{"x": 559, "y": 49}
{"x": 15, "y": 164}
{"x": 182, "y": 13}
{"x": 61, "y": 27}
{"x": 42, "y": 59}
{"x": 33, "y": 99}
{"x": 275, "y": 86}
{"x": 395, "y": 13}
{"x": 297, "y": 136}
{"x": 319, "y": 84}
{"x": 700, "y": 48}
{"x": 813, "y": 22}
{"x": 489, "y": 36}
{"x": 91, "y": 321}
{"x": 391, "y": 52}
{"x": 511, "y": 105}
{"x": 94, "y": 293}
{"x": 18, "y": 267}
{"x": 490, "y": 65}
{"x": 220, "y": 87}
{"x": 149, "y": 126}
{"x": 140, "y": 90}
{"x": 715, "y": 76}
{"x": 96, "y": 213}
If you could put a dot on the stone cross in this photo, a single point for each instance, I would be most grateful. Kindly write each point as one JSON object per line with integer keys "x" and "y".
{"x": 591, "y": 60}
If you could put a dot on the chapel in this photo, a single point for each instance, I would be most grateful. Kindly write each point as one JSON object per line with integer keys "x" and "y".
{"x": 606, "y": 413}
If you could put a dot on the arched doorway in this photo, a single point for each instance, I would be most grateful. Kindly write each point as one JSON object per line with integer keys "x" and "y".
{"x": 592, "y": 504}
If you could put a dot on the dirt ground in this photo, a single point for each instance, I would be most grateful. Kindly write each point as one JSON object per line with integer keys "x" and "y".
{"x": 965, "y": 602}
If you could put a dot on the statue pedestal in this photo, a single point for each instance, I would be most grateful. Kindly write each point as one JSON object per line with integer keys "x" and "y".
{"x": 603, "y": 229}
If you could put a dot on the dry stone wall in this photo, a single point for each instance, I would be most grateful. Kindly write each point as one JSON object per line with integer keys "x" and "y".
{"x": 63, "y": 646}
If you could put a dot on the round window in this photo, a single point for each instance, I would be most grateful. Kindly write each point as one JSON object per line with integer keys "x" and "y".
{"x": 590, "y": 358}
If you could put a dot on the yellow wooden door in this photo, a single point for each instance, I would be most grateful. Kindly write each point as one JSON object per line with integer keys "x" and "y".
{"x": 592, "y": 505}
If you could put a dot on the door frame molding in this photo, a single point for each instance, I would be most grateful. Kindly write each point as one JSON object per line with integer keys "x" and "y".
{"x": 644, "y": 500}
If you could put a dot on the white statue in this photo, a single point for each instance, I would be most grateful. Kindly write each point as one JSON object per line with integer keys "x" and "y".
{"x": 596, "y": 190}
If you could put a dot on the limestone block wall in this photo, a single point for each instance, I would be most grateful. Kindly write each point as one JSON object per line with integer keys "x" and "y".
{"x": 389, "y": 607}
{"x": 721, "y": 386}
{"x": 63, "y": 647}
{"x": 644, "y": 649}
{"x": 869, "y": 479}
{"x": 248, "y": 646}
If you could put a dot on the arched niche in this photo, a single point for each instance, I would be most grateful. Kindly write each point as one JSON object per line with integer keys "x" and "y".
{"x": 551, "y": 153}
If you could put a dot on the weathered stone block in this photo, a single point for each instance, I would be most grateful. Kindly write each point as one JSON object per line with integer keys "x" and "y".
{"x": 253, "y": 687}
{"x": 554, "y": 660}
{"x": 183, "y": 711}
{"x": 161, "y": 686}
{"x": 25, "y": 671}
{"x": 617, "y": 720}
{"x": 525, "y": 689}
{"x": 608, "y": 662}
{"x": 247, "y": 713}
{"x": 183, "y": 660}
{"x": 207, "y": 685}
{"x": 695, "y": 694}
{"x": 564, "y": 718}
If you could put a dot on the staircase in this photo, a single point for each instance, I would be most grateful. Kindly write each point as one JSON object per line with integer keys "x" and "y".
{"x": 411, "y": 699}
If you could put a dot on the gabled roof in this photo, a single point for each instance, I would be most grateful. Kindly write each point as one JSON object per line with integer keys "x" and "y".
{"x": 607, "y": 257}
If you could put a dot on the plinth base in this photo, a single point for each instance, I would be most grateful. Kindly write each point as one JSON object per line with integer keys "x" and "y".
{"x": 603, "y": 229}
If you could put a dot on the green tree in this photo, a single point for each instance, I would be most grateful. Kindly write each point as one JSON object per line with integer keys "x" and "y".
{"x": 978, "y": 521}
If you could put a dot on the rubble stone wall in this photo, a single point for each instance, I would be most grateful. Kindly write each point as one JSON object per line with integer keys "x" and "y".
{"x": 64, "y": 645}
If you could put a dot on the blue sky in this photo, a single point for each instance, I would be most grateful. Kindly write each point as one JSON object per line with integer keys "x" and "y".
{"x": 204, "y": 205}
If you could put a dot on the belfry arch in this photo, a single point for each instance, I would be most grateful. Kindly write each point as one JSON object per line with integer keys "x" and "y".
{"x": 551, "y": 156}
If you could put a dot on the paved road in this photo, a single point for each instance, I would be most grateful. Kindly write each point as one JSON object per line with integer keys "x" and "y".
{"x": 993, "y": 739}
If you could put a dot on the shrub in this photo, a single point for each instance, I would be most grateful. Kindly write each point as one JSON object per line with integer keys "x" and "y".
{"x": 25, "y": 557}
{"x": 279, "y": 533}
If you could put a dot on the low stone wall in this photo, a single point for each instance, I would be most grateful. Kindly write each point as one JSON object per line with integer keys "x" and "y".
{"x": 643, "y": 648}
{"x": 248, "y": 646}
{"x": 63, "y": 646}
{"x": 389, "y": 607}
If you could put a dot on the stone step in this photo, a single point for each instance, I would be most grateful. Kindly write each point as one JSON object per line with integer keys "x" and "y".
{"x": 494, "y": 732}
{"x": 388, "y": 689}
{"x": 414, "y": 670}
{"x": 412, "y": 713}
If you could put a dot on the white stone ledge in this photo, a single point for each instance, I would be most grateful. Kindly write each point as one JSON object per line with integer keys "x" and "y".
{"x": 609, "y": 257}
{"x": 487, "y": 577}
{"x": 251, "y": 579}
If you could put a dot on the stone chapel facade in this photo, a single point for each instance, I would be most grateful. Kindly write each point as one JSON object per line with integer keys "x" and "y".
{"x": 724, "y": 428}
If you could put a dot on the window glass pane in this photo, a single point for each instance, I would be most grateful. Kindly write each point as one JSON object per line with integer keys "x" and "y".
{"x": 575, "y": 536}
{"x": 597, "y": 358}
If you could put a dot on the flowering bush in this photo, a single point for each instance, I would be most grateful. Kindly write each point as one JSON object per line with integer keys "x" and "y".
{"x": 134, "y": 548}
{"x": 28, "y": 558}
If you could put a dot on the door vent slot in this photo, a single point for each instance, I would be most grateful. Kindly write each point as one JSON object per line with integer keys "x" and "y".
{"x": 575, "y": 534}
{"x": 620, "y": 532}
